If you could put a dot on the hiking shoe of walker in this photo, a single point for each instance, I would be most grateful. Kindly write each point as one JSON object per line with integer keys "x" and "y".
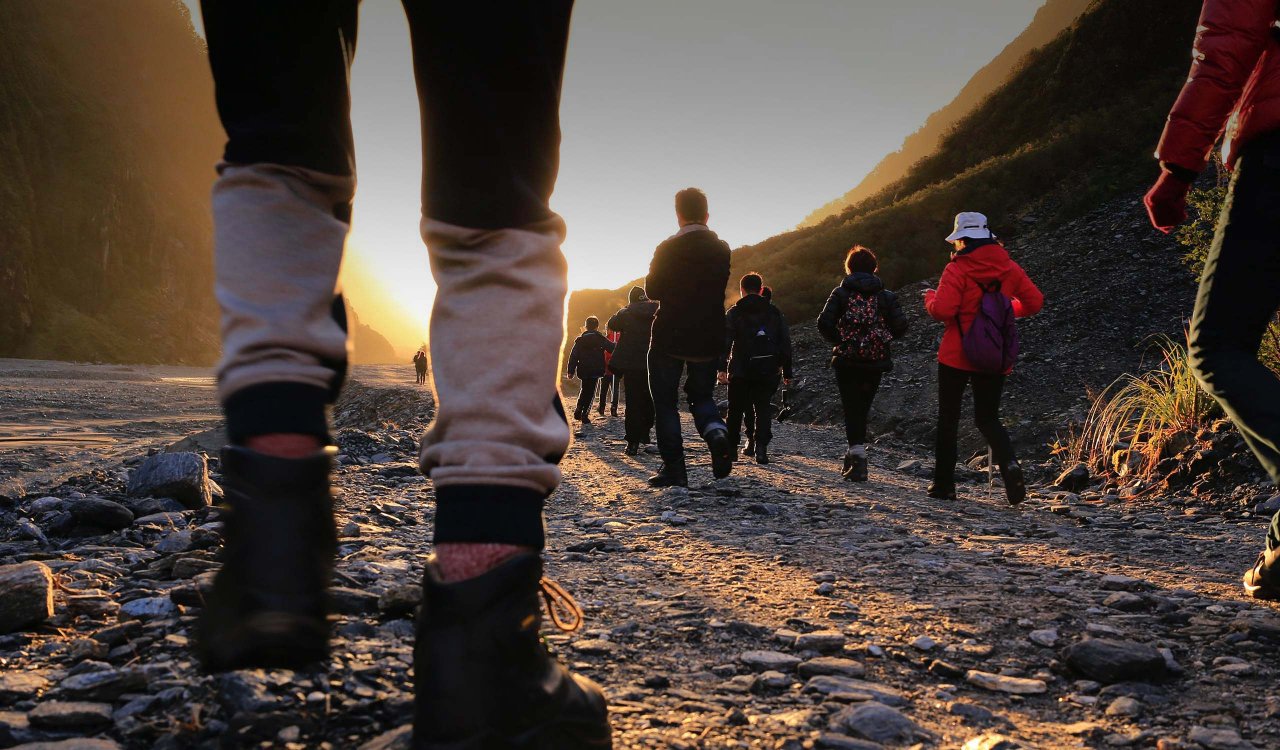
{"x": 1015, "y": 484}
{"x": 721, "y": 452}
{"x": 613, "y": 412}
{"x": 857, "y": 467}
{"x": 750, "y": 450}
{"x": 942, "y": 492}
{"x": 669, "y": 477}
{"x": 633, "y": 448}
{"x": 1262, "y": 581}
{"x": 482, "y": 675}
{"x": 762, "y": 454}
{"x": 268, "y": 607}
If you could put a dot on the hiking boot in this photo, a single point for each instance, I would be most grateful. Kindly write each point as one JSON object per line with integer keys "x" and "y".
{"x": 633, "y": 447}
{"x": 613, "y": 412}
{"x": 762, "y": 454}
{"x": 750, "y": 450}
{"x": 669, "y": 476}
{"x": 857, "y": 467}
{"x": 600, "y": 411}
{"x": 1015, "y": 484}
{"x": 268, "y": 605}
{"x": 942, "y": 492}
{"x": 1262, "y": 581}
{"x": 482, "y": 675}
{"x": 721, "y": 452}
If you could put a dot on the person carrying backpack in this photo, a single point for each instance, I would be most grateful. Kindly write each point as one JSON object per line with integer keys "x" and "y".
{"x": 860, "y": 318}
{"x": 757, "y": 358}
{"x": 587, "y": 362}
{"x": 634, "y": 324}
{"x": 981, "y": 292}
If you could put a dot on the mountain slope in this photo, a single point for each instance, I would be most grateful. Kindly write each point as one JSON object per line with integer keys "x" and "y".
{"x": 106, "y": 160}
{"x": 1049, "y": 21}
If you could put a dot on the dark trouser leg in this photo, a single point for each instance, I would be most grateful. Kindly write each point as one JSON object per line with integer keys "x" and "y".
{"x": 1238, "y": 297}
{"x": 857, "y": 391}
{"x": 762, "y": 392}
{"x": 639, "y": 417}
{"x": 699, "y": 388}
{"x": 605, "y": 382}
{"x": 951, "y": 385}
{"x": 664, "y": 386}
{"x": 739, "y": 401}
{"x": 586, "y": 397}
{"x": 748, "y": 423}
{"x": 987, "y": 391}
{"x": 617, "y": 390}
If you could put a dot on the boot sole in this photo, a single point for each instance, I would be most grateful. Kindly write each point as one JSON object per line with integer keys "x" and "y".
{"x": 1016, "y": 490}
{"x": 267, "y": 640}
{"x": 721, "y": 456}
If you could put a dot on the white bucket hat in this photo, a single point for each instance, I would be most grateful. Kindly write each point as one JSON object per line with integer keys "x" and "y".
{"x": 972, "y": 225}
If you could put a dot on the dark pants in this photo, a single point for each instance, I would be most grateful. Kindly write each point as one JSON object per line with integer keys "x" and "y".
{"x": 699, "y": 387}
{"x": 639, "y": 412}
{"x": 586, "y": 397}
{"x": 754, "y": 394}
{"x": 611, "y": 383}
{"x": 857, "y": 390}
{"x": 1238, "y": 298}
{"x": 489, "y": 90}
{"x": 987, "y": 389}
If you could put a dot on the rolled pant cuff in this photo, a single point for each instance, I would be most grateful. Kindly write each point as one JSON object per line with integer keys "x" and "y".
{"x": 281, "y": 407}
{"x": 489, "y": 514}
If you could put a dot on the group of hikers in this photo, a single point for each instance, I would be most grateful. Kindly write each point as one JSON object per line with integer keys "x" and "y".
{"x": 671, "y": 325}
{"x": 489, "y": 85}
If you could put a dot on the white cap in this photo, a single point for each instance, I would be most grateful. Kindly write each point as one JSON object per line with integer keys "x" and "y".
{"x": 972, "y": 225}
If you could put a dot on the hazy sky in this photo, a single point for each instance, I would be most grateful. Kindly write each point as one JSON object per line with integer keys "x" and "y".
{"x": 772, "y": 107}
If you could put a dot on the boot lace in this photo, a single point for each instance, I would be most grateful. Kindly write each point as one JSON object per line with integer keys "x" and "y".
{"x": 564, "y": 612}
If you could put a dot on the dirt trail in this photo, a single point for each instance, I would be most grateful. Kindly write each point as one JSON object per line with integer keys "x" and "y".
{"x": 860, "y": 597}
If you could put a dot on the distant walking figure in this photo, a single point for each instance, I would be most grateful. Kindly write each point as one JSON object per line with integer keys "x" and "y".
{"x": 860, "y": 318}
{"x": 612, "y": 381}
{"x": 1234, "y": 84}
{"x": 420, "y": 366}
{"x": 758, "y": 357}
{"x": 981, "y": 291}
{"x": 749, "y": 414}
{"x": 587, "y": 363}
{"x": 687, "y": 278}
{"x": 634, "y": 324}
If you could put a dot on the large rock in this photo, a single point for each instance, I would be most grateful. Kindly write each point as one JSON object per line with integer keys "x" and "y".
{"x": 1108, "y": 661}
{"x": 102, "y": 685}
{"x": 1004, "y": 684}
{"x": 99, "y": 513}
{"x": 26, "y": 595}
{"x": 70, "y": 715}
{"x": 181, "y": 476}
{"x": 878, "y": 723}
{"x": 837, "y": 685}
{"x": 1075, "y": 479}
{"x": 762, "y": 661}
{"x": 16, "y": 686}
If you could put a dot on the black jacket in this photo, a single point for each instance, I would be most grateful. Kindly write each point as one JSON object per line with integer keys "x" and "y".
{"x": 865, "y": 284}
{"x": 744, "y": 321}
{"x": 633, "y": 324}
{"x": 687, "y": 278}
{"x": 586, "y": 359}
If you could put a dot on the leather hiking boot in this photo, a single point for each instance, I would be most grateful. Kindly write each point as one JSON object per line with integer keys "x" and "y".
{"x": 633, "y": 447}
{"x": 670, "y": 476}
{"x": 1262, "y": 581}
{"x": 762, "y": 454}
{"x": 750, "y": 450}
{"x": 942, "y": 492}
{"x": 483, "y": 679}
{"x": 268, "y": 607}
{"x": 721, "y": 452}
{"x": 1015, "y": 484}
{"x": 856, "y": 470}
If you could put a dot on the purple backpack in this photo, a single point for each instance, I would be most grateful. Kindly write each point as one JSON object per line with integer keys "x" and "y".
{"x": 991, "y": 344}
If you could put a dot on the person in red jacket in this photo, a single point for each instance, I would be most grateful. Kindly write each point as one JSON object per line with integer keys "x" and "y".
{"x": 978, "y": 259}
{"x": 1234, "y": 87}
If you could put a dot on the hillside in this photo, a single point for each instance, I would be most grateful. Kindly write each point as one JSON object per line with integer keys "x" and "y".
{"x": 1049, "y": 21}
{"x": 106, "y": 160}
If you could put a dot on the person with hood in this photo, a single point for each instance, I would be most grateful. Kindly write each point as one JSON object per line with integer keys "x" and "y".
{"x": 687, "y": 278}
{"x": 749, "y": 415}
{"x": 587, "y": 363}
{"x": 633, "y": 325}
{"x": 1234, "y": 85}
{"x": 757, "y": 358}
{"x": 979, "y": 266}
{"x": 420, "y": 366}
{"x": 860, "y": 318}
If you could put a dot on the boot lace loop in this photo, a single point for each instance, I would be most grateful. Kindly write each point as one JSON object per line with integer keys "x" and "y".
{"x": 560, "y": 604}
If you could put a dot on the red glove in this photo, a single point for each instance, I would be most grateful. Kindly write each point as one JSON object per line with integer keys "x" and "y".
{"x": 1167, "y": 201}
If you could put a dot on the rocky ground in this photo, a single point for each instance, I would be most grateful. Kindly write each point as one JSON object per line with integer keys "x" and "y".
{"x": 779, "y": 608}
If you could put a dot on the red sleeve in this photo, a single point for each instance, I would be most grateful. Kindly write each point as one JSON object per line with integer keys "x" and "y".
{"x": 1027, "y": 297}
{"x": 1229, "y": 40}
{"x": 944, "y": 306}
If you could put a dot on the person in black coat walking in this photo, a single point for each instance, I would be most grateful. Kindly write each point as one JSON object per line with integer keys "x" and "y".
{"x": 860, "y": 318}
{"x": 634, "y": 324}
{"x": 758, "y": 357}
{"x": 586, "y": 361}
{"x": 687, "y": 277}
